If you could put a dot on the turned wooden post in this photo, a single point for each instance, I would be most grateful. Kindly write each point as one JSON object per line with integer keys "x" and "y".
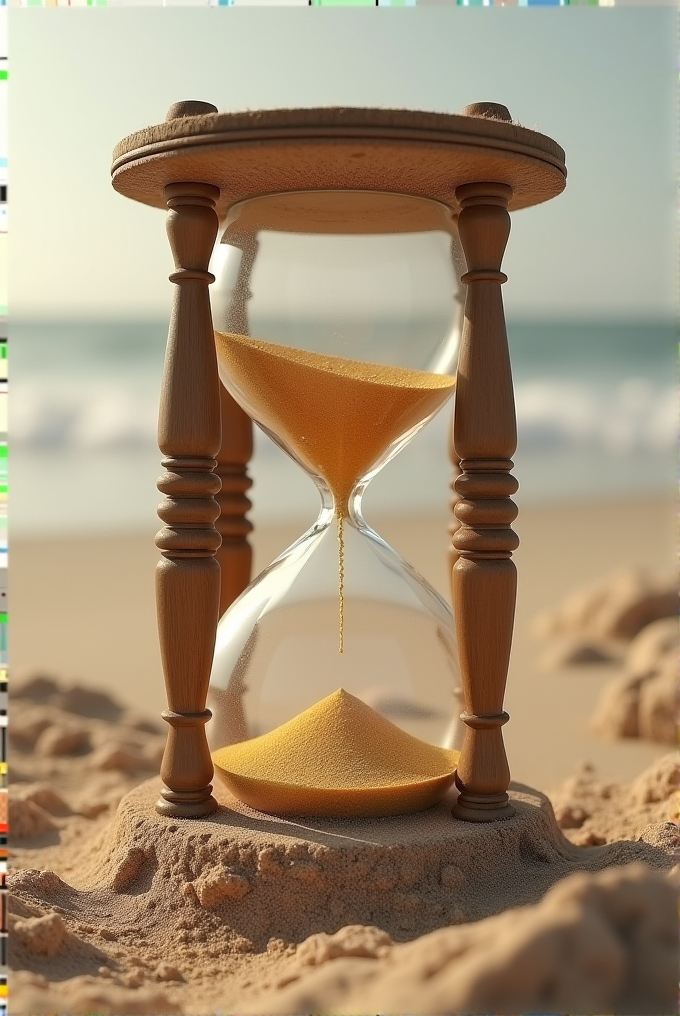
{"x": 454, "y": 524}
{"x": 458, "y": 259}
{"x": 189, "y": 434}
{"x": 235, "y": 554}
{"x": 484, "y": 576}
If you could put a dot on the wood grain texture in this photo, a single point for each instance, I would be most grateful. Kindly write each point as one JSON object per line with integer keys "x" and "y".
{"x": 189, "y": 435}
{"x": 235, "y": 555}
{"x": 484, "y": 576}
{"x": 399, "y": 151}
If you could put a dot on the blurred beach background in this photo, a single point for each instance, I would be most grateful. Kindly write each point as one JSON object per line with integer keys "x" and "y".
{"x": 590, "y": 304}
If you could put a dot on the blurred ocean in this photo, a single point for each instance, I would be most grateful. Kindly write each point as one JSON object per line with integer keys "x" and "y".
{"x": 595, "y": 408}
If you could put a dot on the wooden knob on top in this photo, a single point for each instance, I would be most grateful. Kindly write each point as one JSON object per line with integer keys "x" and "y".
{"x": 489, "y": 110}
{"x": 189, "y": 107}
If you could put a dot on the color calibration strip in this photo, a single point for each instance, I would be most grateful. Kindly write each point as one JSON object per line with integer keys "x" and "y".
{"x": 3, "y": 330}
{"x": 337, "y": 3}
{"x": 3, "y": 825}
{"x": 3, "y": 510}
{"x": 3, "y": 794}
{"x": 3, "y": 174}
{"x": 326, "y": 3}
{"x": 3, "y": 788}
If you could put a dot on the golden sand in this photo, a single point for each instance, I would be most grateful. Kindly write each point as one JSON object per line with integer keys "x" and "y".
{"x": 337, "y": 416}
{"x": 337, "y": 758}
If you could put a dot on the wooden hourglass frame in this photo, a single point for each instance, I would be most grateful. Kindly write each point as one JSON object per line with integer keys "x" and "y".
{"x": 199, "y": 163}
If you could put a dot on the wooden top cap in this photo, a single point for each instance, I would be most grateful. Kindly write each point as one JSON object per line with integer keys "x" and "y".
{"x": 189, "y": 107}
{"x": 490, "y": 110}
{"x": 399, "y": 151}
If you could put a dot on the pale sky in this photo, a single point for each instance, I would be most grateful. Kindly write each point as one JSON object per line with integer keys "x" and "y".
{"x": 600, "y": 81}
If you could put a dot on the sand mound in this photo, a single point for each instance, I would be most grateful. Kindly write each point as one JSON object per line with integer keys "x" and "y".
{"x": 631, "y": 619}
{"x": 118, "y": 910}
{"x": 652, "y": 646}
{"x": 596, "y": 943}
{"x": 592, "y": 812}
{"x": 28, "y": 820}
{"x": 643, "y": 700}
{"x": 594, "y": 623}
{"x": 340, "y": 757}
{"x": 69, "y": 763}
{"x": 225, "y": 901}
{"x": 354, "y": 940}
{"x": 631, "y": 707}
{"x": 82, "y": 996}
{"x": 43, "y": 935}
{"x": 78, "y": 699}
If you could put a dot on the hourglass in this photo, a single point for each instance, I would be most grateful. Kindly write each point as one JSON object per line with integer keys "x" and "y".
{"x": 330, "y": 681}
{"x": 337, "y": 317}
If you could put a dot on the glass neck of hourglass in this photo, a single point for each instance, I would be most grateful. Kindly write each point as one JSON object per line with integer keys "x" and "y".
{"x": 349, "y": 509}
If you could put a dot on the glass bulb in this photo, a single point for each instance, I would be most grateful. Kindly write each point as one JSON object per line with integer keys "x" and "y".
{"x": 337, "y": 321}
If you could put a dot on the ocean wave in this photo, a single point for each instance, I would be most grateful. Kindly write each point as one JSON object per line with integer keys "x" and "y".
{"x": 98, "y": 418}
{"x": 632, "y": 415}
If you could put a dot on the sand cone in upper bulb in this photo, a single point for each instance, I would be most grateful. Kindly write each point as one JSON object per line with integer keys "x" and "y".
{"x": 338, "y": 758}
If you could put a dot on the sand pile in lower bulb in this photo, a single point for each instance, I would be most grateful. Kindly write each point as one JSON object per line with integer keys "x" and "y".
{"x": 339, "y": 757}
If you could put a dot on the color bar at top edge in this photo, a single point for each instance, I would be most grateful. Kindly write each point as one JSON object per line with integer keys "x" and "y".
{"x": 335, "y": 3}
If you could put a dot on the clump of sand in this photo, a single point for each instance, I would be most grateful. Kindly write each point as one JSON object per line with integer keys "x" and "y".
{"x": 74, "y": 753}
{"x": 595, "y": 622}
{"x": 591, "y": 811}
{"x": 78, "y": 699}
{"x": 122, "y": 910}
{"x": 629, "y": 619}
{"x": 84, "y": 995}
{"x": 642, "y": 701}
{"x": 595, "y": 943}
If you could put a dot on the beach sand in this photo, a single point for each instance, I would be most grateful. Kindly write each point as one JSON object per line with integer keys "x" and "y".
{"x": 117, "y": 910}
{"x": 84, "y": 610}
